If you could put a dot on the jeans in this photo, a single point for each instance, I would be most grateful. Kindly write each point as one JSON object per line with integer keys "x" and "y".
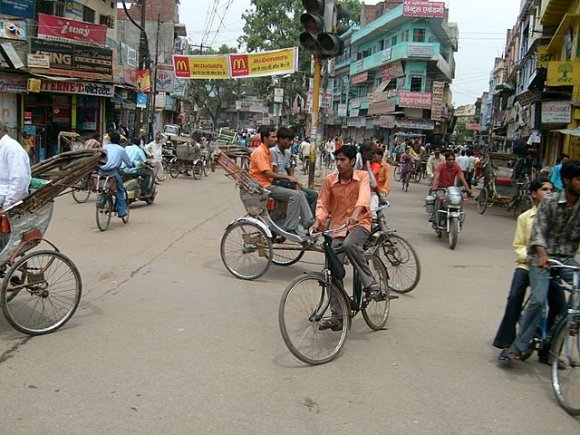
{"x": 352, "y": 247}
{"x": 540, "y": 283}
{"x": 506, "y": 332}
{"x": 121, "y": 203}
{"x": 298, "y": 210}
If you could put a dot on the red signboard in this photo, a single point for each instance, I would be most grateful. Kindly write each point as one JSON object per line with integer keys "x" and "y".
{"x": 422, "y": 8}
{"x": 63, "y": 29}
{"x": 393, "y": 70}
{"x": 473, "y": 127}
{"x": 360, "y": 78}
{"x": 418, "y": 100}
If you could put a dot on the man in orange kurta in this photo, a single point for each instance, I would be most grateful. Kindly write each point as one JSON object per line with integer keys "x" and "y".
{"x": 345, "y": 197}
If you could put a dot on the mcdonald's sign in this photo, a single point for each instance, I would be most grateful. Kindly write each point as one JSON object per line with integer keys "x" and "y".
{"x": 239, "y": 65}
{"x": 201, "y": 67}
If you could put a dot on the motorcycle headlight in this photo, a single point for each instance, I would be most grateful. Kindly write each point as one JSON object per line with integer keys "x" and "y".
{"x": 455, "y": 199}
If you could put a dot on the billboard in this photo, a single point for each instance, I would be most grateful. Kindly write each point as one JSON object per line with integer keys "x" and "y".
{"x": 63, "y": 29}
{"x": 164, "y": 78}
{"x": 393, "y": 70}
{"x": 18, "y": 8}
{"x": 13, "y": 29}
{"x": 422, "y": 8}
{"x": 201, "y": 67}
{"x": 418, "y": 100}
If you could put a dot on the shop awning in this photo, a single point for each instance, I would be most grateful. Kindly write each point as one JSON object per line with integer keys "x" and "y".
{"x": 570, "y": 131}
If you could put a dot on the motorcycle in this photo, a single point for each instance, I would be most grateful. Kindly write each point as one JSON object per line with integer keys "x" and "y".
{"x": 450, "y": 216}
{"x": 135, "y": 192}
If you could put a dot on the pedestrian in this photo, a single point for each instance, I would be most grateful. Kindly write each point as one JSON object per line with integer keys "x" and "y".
{"x": 154, "y": 150}
{"x": 14, "y": 169}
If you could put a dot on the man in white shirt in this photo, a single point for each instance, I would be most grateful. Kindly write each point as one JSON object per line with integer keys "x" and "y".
{"x": 433, "y": 162}
{"x": 14, "y": 169}
{"x": 155, "y": 151}
{"x": 463, "y": 161}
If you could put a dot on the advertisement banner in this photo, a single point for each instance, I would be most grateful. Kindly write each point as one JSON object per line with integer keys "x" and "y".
{"x": 64, "y": 29}
{"x": 422, "y": 8}
{"x": 201, "y": 67}
{"x": 473, "y": 127}
{"x": 387, "y": 121}
{"x": 360, "y": 78}
{"x": 13, "y": 29}
{"x": 563, "y": 73}
{"x": 266, "y": 63}
{"x": 73, "y": 9}
{"x": 73, "y": 60}
{"x": 556, "y": 112}
{"x": 164, "y": 78}
{"x": 415, "y": 124}
{"x": 437, "y": 100}
{"x": 381, "y": 107}
{"x": 18, "y": 8}
{"x": 342, "y": 110}
{"x": 12, "y": 83}
{"x": 143, "y": 80}
{"x": 142, "y": 100}
{"x": 393, "y": 70}
{"x": 78, "y": 88}
{"x": 418, "y": 100}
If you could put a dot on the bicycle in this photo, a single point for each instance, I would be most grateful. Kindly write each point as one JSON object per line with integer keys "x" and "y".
{"x": 305, "y": 165}
{"x": 82, "y": 189}
{"x": 564, "y": 343}
{"x": 397, "y": 254}
{"x": 306, "y": 302}
{"x": 106, "y": 201}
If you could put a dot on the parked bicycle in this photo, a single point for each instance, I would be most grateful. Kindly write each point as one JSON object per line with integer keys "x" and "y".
{"x": 310, "y": 299}
{"x": 106, "y": 201}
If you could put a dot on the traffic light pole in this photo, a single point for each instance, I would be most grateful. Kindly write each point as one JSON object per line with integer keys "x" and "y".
{"x": 314, "y": 139}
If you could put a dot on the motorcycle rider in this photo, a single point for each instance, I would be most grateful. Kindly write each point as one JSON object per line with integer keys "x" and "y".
{"x": 116, "y": 156}
{"x": 137, "y": 157}
{"x": 154, "y": 150}
{"x": 445, "y": 175}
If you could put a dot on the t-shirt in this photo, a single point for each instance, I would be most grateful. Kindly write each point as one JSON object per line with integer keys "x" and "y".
{"x": 447, "y": 176}
{"x": 280, "y": 159}
{"x": 260, "y": 161}
{"x": 463, "y": 162}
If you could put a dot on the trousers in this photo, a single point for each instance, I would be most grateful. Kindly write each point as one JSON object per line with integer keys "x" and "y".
{"x": 298, "y": 211}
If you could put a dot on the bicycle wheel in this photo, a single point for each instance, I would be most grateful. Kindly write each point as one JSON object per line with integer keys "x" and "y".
{"x": 565, "y": 353}
{"x": 246, "y": 251}
{"x": 416, "y": 177}
{"x": 376, "y": 312}
{"x": 286, "y": 257}
{"x": 104, "y": 211}
{"x": 196, "y": 171}
{"x": 482, "y": 200}
{"x": 81, "y": 190}
{"x": 40, "y": 292}
{"x": 397, "y": 173}
{"x": 304, "y": 304}
{"x": 401, "y": 261}
{"x": 174, "y": 169}
{"x": 161, "y": 174}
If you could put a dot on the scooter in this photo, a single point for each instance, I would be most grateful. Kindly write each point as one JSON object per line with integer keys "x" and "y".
{"x": 134, "y": 191}
{"x": 450, "y": 216}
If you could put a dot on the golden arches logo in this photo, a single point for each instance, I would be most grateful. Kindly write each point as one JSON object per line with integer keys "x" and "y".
{"x": 240, "y": 63}
{"x": 181, "y": 65}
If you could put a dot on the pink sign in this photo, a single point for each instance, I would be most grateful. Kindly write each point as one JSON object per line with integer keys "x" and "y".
{"x": 57, "y": 28}
{"x": 393, "y": 70}
{"x": 422, "y": 8}
{"x": 417, "y": 100}
{"x": 358, "y": 79}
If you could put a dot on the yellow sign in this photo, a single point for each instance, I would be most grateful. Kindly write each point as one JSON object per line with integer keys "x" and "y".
{"x": 201, "y": 67}
{"x": 266, "y": 63}
{"x": 563, "y": 73}
{"x": 542, "y": 57}
{"x": 33, "y": 85}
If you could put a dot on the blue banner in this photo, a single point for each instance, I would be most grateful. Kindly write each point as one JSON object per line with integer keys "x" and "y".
{"x": 141, "y": 100}
{"x": 18, "y": 8}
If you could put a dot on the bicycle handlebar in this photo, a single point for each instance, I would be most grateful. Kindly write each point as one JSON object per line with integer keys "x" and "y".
{"x": 559, "y": 265}
{"x": 327, "y": 232}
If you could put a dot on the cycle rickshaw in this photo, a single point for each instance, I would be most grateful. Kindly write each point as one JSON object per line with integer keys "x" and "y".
{"x": 40, "y": 289}
{"x": 253, "y": 242}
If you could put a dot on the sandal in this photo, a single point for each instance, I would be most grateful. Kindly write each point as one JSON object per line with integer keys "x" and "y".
{"x": 504, "y": 357}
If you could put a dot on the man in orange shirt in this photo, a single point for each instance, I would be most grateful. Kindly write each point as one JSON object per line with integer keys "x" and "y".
{"x": 262, "y": 169}
{"x": 345, "y": 196}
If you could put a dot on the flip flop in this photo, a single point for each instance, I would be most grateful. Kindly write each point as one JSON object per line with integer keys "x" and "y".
{"x": 504, "y": 357}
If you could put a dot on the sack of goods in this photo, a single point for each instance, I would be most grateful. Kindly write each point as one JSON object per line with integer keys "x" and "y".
{"x": 185, "y": 151}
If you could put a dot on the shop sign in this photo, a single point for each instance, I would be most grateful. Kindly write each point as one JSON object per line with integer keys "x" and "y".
{"x": 38, "y": 61}
{"x": 142, "y": 100}
{"x": 144, "y": 80}
{"x": 359, "y": 65}
{"x": 556, "y": 112}
{"x": 18, "y": 8}
{"x": 267, "y": 63}
{"x": 542, "y": 57}
{"x": 381, "y": 107}
{"x": 73, "y": 9}
{"x": 79, "y": 88}
{"x": 415, "y": 124}
{"x": 64, "y": 29}
{"x": 13, "y": 29}
{"x": 419, "y": 50}
{"x": 354, "y": 113}
{"x": 164, "y": 78}
{"x": 393, "y": 70}
{"x": 357, "y": 122}
{"x": 74, "y": 60}
{"x": 418, "y": 100}
{"x": 360, "y": 78}
{"x": 387, "y": 55}
{"x": 528, "y": 97}
{"x": 387, "y": 121}
{"x": 437, "y": 100}
{"x": 473, "y": 127}
{"x": 425, "y": 9}
{"x": 11, "y": 83}
{"x": 563, "y": 73}
{"x": 342, "y": 110}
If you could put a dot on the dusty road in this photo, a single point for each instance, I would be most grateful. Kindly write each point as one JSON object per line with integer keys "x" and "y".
{"x": 166, "y": 341}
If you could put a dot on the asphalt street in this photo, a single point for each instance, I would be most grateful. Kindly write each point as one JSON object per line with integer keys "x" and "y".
{"x": 167, "y": 341}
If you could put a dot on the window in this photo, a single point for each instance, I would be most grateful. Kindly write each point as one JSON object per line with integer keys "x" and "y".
{"x": 55, "y": 8}
{"x": 416, "y": 83}
{"x": 418, "y": 35}
{"x": 393, "y": 41}
{"x": 381, "y": 45}
{"x": 107, "y": 20}
{"x": 88, "y": 15}
{"x": 405, "y": 36}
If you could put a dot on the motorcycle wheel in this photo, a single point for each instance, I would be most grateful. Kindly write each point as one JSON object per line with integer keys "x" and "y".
{"x": 196, "y": 171}
{"x": 174, "y": 170}
{"x": 453, "y": 232}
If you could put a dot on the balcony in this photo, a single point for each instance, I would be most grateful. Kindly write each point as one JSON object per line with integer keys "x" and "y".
{"x": 402, "y": 51}
{"x": 553, "y": 11}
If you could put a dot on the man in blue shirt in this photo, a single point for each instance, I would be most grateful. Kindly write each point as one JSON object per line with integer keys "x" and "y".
{"x": 555, "y": 174}
{"x": 137, "y": 156}
{"x": 116, "y": 156}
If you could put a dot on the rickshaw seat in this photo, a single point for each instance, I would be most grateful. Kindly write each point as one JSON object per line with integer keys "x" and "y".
{"x": 277, "y": 208}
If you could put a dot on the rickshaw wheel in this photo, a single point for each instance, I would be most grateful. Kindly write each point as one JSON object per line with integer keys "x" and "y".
{"x": 246, "y": 251}
{"x": 286, "y": 257}
{"x": 482, "y": 200}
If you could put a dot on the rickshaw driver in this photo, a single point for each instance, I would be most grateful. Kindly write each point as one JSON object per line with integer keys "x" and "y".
{"x": 14, "y": 169}
{"x": 445, "y": 177}
{"x": 262, "y": 170}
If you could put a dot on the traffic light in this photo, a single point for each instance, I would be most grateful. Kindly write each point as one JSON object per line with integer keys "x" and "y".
{"x": 322, "y": 34}
{"x": 313, "y": 22}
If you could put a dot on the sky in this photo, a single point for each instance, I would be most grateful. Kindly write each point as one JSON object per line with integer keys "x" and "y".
{"x": 482, "y": 32}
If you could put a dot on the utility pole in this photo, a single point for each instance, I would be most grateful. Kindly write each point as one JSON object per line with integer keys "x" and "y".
{"x": 314, "y": 119}
{"x": 152, "y": 101}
